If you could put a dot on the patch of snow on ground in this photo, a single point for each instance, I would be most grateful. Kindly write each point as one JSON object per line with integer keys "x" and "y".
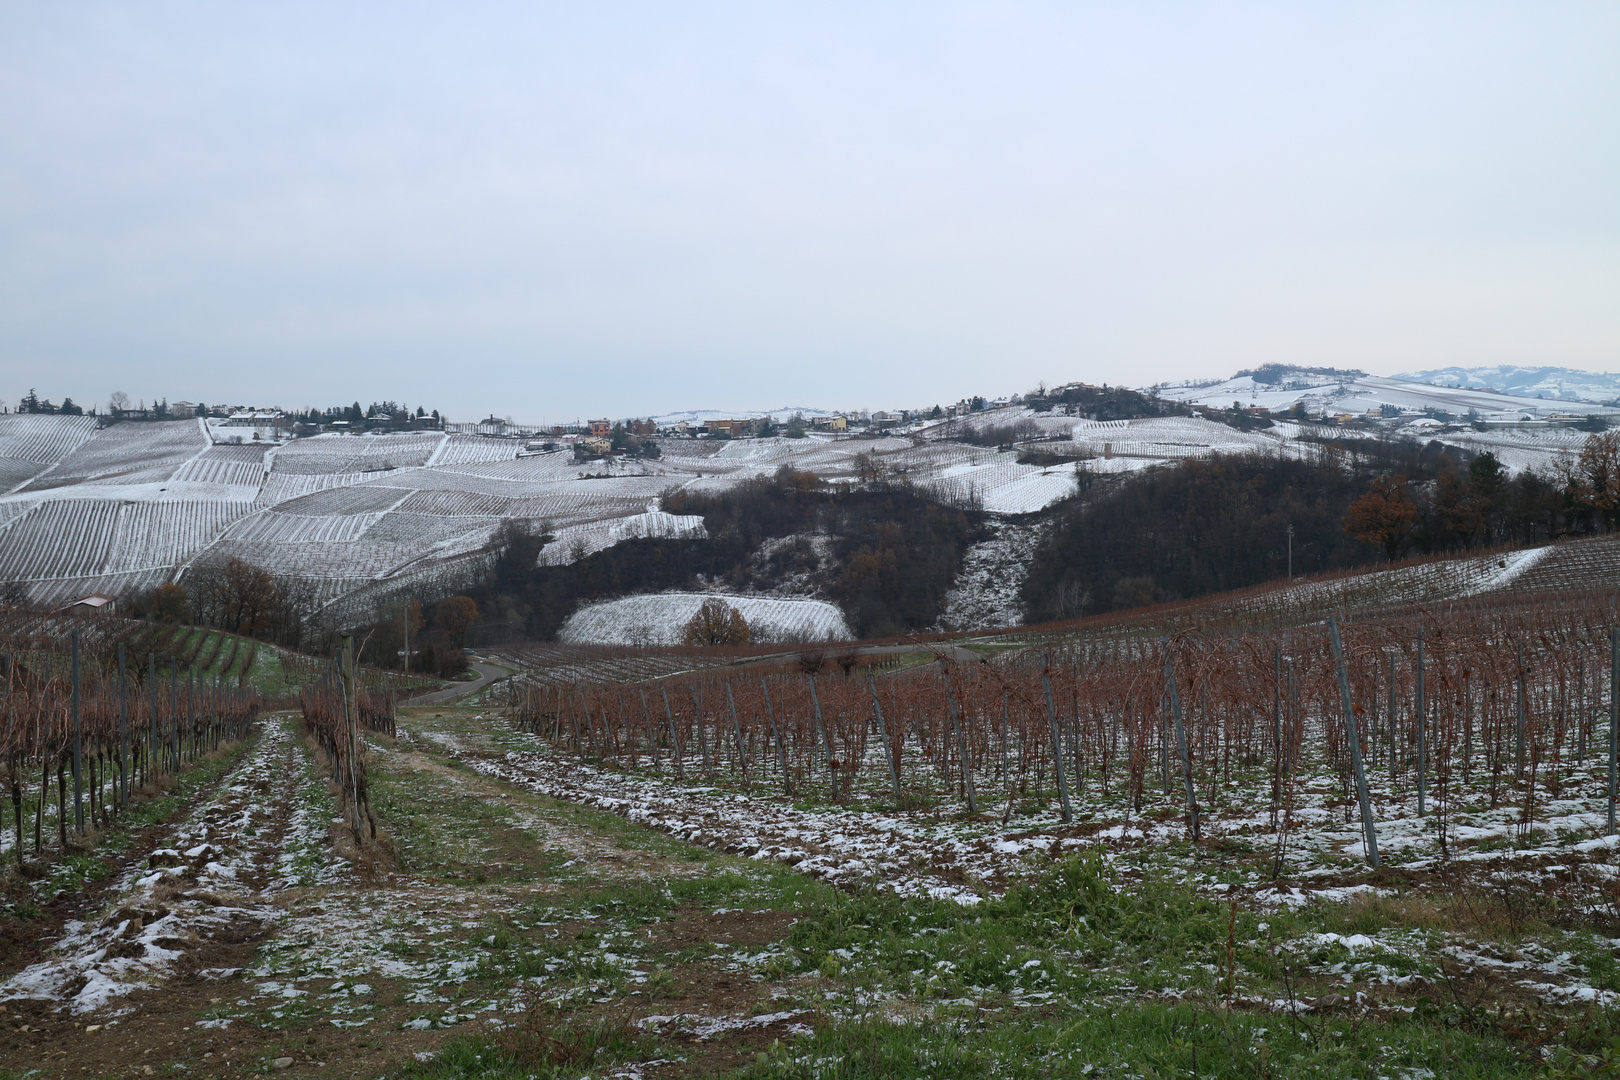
{"x": 661, "y": 618}
{"x": 1513, "y": 566}
{"x": 577, "y": 541}
{"x": 197, "y": 886}
{"x": 986, "y": 590}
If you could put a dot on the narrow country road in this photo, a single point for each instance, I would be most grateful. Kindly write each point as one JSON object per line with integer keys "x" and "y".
{"x": 487, "y": 673}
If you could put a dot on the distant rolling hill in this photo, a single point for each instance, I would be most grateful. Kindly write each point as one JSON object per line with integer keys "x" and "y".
{"x": 1565, "y": 384}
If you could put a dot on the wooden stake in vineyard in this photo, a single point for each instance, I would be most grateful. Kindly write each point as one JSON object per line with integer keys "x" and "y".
{"x": 822, "y": 737}
{"x": 1057, "y": 744}
{"x": 1518, "y": 725}
{"x": 736, "y": 733}
{"x": 1276, "y": 733}
{"x": 781, "y": 754}
{"x": 1369, "y": 829}
{"x": 1389, "y": 733}
{"x": 961, "y": 747}
{"x": 888, "y": 750}
{"x": 1181, "y": 738}
{"x": 350, "y": 707}
{"x": 1614, "y": 719}
{"x": 123, "y": 732}
{"x": 78, "y": 742}
{"x": 674, "y": 739}
{"x": 1422, "y": 731}
{"x": 703, "y": 740}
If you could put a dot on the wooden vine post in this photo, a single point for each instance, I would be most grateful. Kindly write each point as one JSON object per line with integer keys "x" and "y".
{"x": 1276, "y": 732}
{"x": 961, "y": 746}
{"x": 174, "y": 716}
{"x": 78, "y": 742}
{"x": 674, "y": 738}
{"x": 1614, "y": 720}
{"x": 350, "y": 708}
{"x": 776, "y": 732}
{"x": 1389, "y": 734}
{"x": 152, "y": 707}
{"x": 1518, "y": 720}
{"x": 888, "y": 749}
{"x": 1422, "y": 721}
{"x": 1057, "y": 743}
{"x": 736, "y": 733}
{"x": 123, "y": 732}
{"x": 1181, "y": 739}
{"x": 703, "y": 740}
{"x": 1369, "y": 829}
{"x": 652, "y": 736}
{"x": 822, "y": 737}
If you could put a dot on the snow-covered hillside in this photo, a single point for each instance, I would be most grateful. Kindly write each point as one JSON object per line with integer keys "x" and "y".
{"x": 356, "y": 516}
{"x": 661, "y": 618}
{"x": 1359, "y": 394}
{"x": 1531, "y": 382}
{"x": 360, "y": 518}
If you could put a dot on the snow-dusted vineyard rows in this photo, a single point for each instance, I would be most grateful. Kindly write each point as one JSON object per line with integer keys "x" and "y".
{"x": 578, "y": 541}
{"x": 127, "y": 454}
{"x": 965, "y": 860}
{"x": 341, "y": 454}
{"x": 1347, "y": 393}
{"x": 1176, "y": 438}
{"x": 1554, "y": 567}
{"x": 470, "y": 449}
{"x": 659, "y": 619}
{"x": 85, "y": 510}
{"x": 242, "y": 465}
{"x": 89, "y": 538}
{"x": 560, "y": 664}
{"x": 43, "y": 438}
{"x": 1520, "y": 450}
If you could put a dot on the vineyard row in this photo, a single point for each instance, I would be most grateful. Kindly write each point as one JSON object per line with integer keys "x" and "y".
{"x": 1514, "y": 704}
{"x": 107, "y": 724}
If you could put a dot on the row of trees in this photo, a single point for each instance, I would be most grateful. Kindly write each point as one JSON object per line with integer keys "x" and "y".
{"x": 33, "y": 403}
{"x": 235, "y": 596}
{"x": 1480, "y": 505}
{"x": 1228, "y": 522}
{"x": 1102, "y": 402}
{"x": 354, "y": 414}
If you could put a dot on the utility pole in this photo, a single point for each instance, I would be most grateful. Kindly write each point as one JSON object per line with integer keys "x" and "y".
{"x": 1290, "y": 551}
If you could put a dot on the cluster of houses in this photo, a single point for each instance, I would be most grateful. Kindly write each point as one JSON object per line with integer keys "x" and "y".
{"x": 597, "y": 437}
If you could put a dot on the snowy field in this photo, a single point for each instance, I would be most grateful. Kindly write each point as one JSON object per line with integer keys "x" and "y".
{"x": 660, "y": 618}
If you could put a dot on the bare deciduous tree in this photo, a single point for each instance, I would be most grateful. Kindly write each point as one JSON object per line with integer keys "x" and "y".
{"x": 237, "y": 596}
{"x": 455, "y": 615}
{"x": 717, "y": 623}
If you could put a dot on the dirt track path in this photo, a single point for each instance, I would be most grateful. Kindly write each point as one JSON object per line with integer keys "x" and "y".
{"x": 210, "y": 875}
{"x": 251, "y": 942}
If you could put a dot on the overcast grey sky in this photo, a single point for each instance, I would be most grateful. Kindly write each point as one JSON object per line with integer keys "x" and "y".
{"x": 558, "y": 210}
